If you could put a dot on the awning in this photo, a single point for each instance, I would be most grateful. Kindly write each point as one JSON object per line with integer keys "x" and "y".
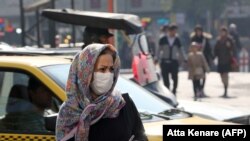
{"x": 128, "y": 22}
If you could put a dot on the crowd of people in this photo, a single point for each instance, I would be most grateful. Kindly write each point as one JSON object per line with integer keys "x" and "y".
{"x": 199, "y": 57}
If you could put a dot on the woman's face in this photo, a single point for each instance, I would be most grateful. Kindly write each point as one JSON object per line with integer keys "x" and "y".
{"x": 100, "y": 83}
{"x": 194, "y": 48}
{"x": 199, "y": 32}
{"x": 104, "y": 64}
{"x": 223, "y": 33}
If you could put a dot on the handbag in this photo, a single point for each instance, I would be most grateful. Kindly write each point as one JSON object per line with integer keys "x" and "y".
{"x": 143, "y": 69}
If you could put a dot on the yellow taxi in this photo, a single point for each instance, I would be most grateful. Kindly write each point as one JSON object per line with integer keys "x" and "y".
{"x": 15, "y": 72}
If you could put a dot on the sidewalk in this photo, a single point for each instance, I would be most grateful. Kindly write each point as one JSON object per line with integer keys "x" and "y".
{"x": 239, "y": 89}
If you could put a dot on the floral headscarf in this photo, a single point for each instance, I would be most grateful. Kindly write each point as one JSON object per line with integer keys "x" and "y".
{"x": 80, "y": 111}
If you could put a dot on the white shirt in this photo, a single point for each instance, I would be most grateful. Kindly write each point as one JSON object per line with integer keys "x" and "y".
{"x": 171, "y": 40}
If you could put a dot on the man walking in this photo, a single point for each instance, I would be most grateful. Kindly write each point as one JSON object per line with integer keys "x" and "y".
{"x": 169, "y": 51}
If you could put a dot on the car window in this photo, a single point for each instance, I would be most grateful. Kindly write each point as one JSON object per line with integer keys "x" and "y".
{"x": 142, "y": 98}
{"x": 59, "y": 73}
{"x": 22, "y": 105}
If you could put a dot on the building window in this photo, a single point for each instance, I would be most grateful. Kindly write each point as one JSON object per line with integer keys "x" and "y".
{"x": 136, "y": 3}
{"x": 95, "y": 4}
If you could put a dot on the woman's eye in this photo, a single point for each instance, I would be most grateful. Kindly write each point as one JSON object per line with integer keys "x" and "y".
{"x": 102, "y": 69}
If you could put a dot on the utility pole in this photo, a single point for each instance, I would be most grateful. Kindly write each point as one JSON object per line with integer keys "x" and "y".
{"x": 52, "y": 29}
{"x": 111, "y": 10}
{"x": 22, "y": 23}
{"x": 73, "y": 27}
{"x": 38, "y": 28}
{"x": 110, "y": 6}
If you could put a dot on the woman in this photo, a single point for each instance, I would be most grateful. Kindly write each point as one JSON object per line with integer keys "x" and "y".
{"x": 223, "y": 49}
{"x": 95, "y": 111}
{"x": 197, "y": 66}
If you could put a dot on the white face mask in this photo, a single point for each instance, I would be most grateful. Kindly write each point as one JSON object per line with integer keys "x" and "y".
{"x": 102, "y": 82}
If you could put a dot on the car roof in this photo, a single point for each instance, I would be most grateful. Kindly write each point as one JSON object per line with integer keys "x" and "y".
{"x": 38, "y": 61}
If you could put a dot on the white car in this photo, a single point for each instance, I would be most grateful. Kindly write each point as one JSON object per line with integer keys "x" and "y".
{"x": 216, "y": 111}
{"x": 203, "y": 109}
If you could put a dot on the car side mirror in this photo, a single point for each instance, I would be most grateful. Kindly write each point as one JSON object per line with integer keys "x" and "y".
{"x": 50, "y": 122}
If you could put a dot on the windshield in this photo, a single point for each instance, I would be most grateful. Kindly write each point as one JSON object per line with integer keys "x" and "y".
{"x": 144, "y": 100}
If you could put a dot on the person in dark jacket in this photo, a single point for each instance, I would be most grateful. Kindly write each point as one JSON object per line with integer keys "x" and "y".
{"x": 223, "y": 50}
{"x": 203, "y": 40}
{"x": 94, "y": 110}
{"x": 95, "y": 35}
{"x": 168, "y": 53}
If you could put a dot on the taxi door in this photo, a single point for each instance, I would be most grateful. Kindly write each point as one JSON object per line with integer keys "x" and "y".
{"x": 19, "y": 119}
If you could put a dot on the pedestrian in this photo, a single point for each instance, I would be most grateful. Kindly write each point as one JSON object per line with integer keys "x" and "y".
{"x": 235, "y": 36}
{"x": 102, "y": 35}
{"x": 163, "y": 30}
{"x": 169, "y": 51}
{"x": 202, "y": 39}
{"x": 95, "y": 35}
{"x": 197, "y": 67}
{"x": 94, "y": 110}
{"x": 223, "y": 50}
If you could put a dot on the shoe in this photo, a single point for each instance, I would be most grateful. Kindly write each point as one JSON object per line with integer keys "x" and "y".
{"x": 203, "y": 95}
{"x": 199, "y": 94}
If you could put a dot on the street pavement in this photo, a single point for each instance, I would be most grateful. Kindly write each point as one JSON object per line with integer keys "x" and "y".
{"x": 239, "y": 89}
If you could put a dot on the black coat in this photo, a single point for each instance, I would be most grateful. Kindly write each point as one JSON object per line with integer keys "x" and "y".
{"x": 128, "y": 123}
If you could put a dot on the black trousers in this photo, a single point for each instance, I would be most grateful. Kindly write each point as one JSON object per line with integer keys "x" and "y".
{"x": 203, "y": 83}
{"x": 170, "y": 67}
{"x": 197, "y": 86}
